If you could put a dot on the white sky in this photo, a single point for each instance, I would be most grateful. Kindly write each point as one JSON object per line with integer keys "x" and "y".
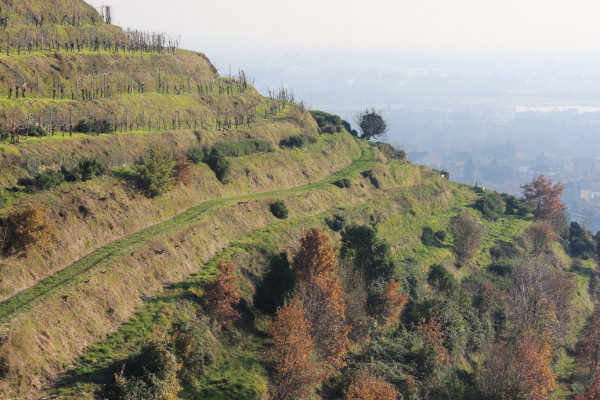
{"x": 542, "y": 24}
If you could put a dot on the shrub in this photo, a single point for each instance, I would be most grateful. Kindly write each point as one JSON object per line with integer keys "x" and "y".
{"x": 155, "y": 172}
{"x": 540, "y": 235}
{"x": 501, "y": 268}
{"x": 244, "y": 147}
{"x": 28, "y": 226}
{"x": 428, "y": 237}
{"x": 152, "y": 374}
{"x": 491, "y": 205}
{"x": 467, "y": 233}
{"x": 197, "y": 154}
{"x": 294, "y": 141}
{"x": 337, "y": 223}
{"x": 89, "y": 168}
{"x": 391, "y": 152}
{"x": 343, "y": 183}
{"x": 371, "y": 388}
{"x": 219, "y": 164}
{"x": 48, "y": 179}
{"x": 183, "y": 169}
{"x": 37, "y": 130}
{"x": 101, "y": 125}
{"x": 279, "y": 209}
{"x": 277, "y": 285}
{"x": 441, "y": 279}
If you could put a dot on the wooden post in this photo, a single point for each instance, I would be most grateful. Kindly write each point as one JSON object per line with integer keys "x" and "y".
{"x": 51, "y": 130}
{"x": 28, "y": 123}
{"x": 70, "y": 121}
{"x": 37, "y": 92}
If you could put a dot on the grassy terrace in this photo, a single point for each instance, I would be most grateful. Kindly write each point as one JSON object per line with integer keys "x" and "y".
{"x": 27, "y": 299}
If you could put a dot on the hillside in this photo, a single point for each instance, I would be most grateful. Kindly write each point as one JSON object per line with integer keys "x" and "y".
{"x": 138, "y": 189}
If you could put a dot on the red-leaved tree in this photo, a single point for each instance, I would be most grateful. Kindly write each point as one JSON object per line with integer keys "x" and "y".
{"x": 371, "y": 388}
{"x": 392, "y": 303}
{"x": 291, "y": 354}
{"x": 321, "y": 294}
{"x": 543, "y": 197}
{"x": 588, "y": 348}
{"x": 222, "y": 294}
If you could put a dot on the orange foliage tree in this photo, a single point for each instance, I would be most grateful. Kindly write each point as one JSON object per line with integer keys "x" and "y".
{"x": 296, "y": 371}
{"x": 543, "y": 197}
{"x": 222, "y": 294}
{"x": 393, "y": 302}
{"x": 371, "y": 388}
{"x": 534, "y": 365}
{"x": 320, "y": 291}
{"x": 520, "y": 369}
{"x": 433, "y": 332}
{"x": 28, "y": 226}
{"x": 588, "y": 348}
{"x": 182, "y": 170}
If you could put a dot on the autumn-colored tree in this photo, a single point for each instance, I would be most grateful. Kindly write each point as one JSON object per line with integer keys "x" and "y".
{"x": 520, "y": 368}
{"x": 321, "y": 294}
{"x": 433, "y": 332}
{"x": 392, "y": 303}
{"x": 296, "y": 373}
{"x": 222, "y": 294}
{"x": 534, "y": 365}
{"x": 541, "y": 235}
{"x": 467, "y": 233}
{"x": 371, "y": 388}
{"x": 543, "y": 197}
{"x": 588, "y": 348}
{"x": 592, "y": 392}
{"x": 183, "y": 169}
{"x": 28, "y": 226}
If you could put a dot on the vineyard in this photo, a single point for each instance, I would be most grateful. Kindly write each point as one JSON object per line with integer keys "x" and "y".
{"x": 68, "y": 70}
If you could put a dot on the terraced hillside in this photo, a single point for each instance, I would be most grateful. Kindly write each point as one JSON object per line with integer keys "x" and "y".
{"x": 129, "y": 169}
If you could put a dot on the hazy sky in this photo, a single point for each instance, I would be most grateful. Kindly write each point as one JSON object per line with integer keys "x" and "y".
{"x": 544, "y": 24}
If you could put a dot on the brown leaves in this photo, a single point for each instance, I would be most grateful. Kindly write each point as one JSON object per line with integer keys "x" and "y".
{"x": 222, "y": 294}
{"x": 544, "y": 198}
{"x": 320, "y": 292}
{"x": 393, "y": 302}
{"x": 433, "y": 332}
{"x": 296, "y": 371}
{"x": 371, "y": 388}
{"x": 592, "y": 392}
{"x": 28, "y": 226}
{"x": 534, "y": 365}
{"x": 182, "y": 170}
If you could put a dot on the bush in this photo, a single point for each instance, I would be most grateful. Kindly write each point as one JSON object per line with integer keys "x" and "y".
{"x": 294, "y": 141}
{"x": 26, "y": 227}
{"x": 48, "y": 179}
{"x": 428, "y": 238}
{"x": 198, "y": 154}
{"x": 337, "y": 223}
{"x": 244, "y": 147}
{"x": 155, "y": 172}
{"x": 219, "y": 164}
{"x": 391, "y": 152}
{"x": 441, "y": 279}
{"x": 343, "y": 183}
{"x": 501, "y": 268}
{"x": 491, "y": 205}
{"x": 467, "y": 233}
{"x": 277, "y": 285}
{"x": 279, "y": 209}
{"x": 89, "y": 168}
{"x": 37, "y": 130}
{"x": 101, "y": 125}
